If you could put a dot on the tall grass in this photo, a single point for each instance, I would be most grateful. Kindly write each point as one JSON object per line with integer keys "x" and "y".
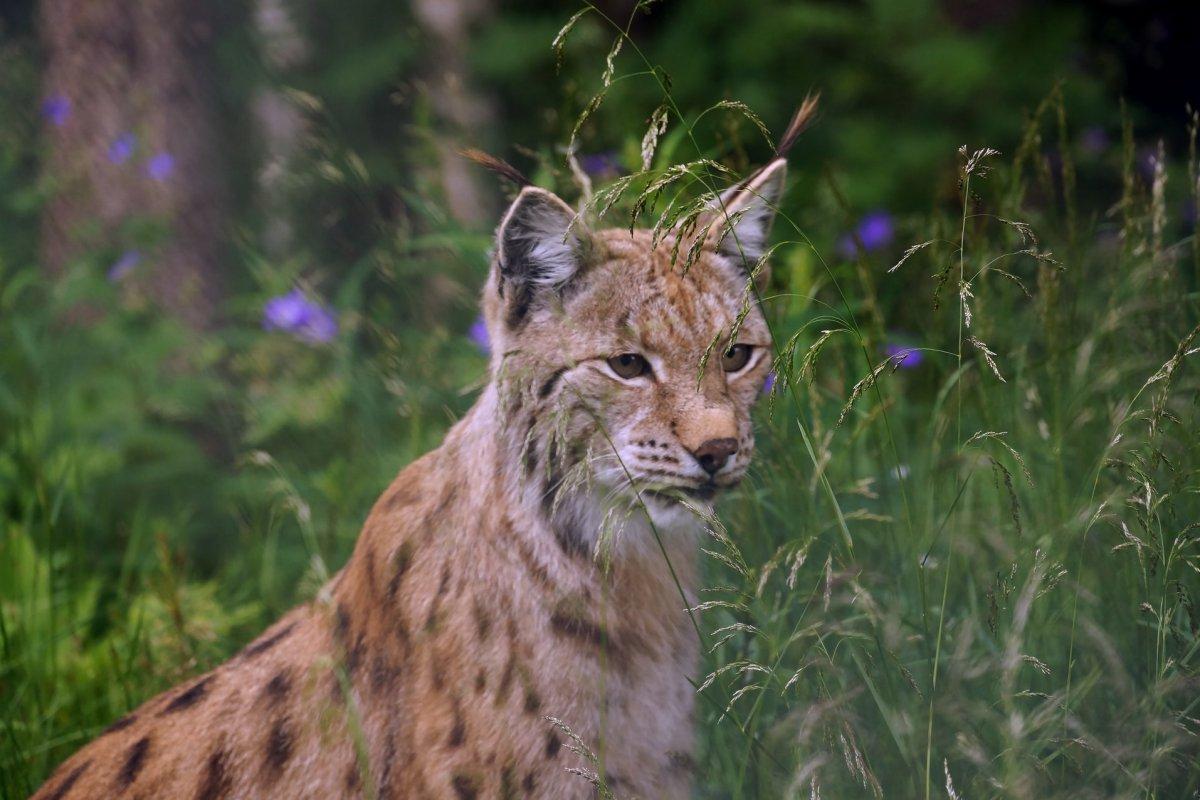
{"x": 976, "y": 576}
{"x": 972, "y": 576}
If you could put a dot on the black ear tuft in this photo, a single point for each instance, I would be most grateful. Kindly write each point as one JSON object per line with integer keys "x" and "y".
{"x": 800, "y": 121}
{"x": 496, "y": 165}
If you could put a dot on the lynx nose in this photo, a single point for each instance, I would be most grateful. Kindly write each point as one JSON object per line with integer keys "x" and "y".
{"x": 713, "y": 454}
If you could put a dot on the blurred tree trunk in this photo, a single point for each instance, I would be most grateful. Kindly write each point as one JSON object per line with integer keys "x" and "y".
{"x": 464, "y": 114}
{"x": 139, "y": 144}
{"x": 281, "y": 125}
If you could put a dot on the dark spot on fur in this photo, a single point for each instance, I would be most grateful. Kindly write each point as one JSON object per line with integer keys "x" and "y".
{"x": 280, "y": 743}
{"x": 188, "y": 697}
{"x": 61, "y": 790}
{"x": 343, "y": 623}
{"x": 508, "y": 783}
{"x": 342, "y": 632}
{"x": 458, "y": 730}
{"x": 336, "y": 693}
{"x": 401, "y": 561}
{"x": 483, "y": 620}
{"x": 354, "y": 655}
{"x": 277, "y": 688}
{"x": 570, "y": 540}
{"x": 369, "y": 566}
{"x": 506, "y": 678}
{"x": 533, "y": 703}
{"x": 552, "y": 481}
{"x": 267, "y": 642}
{"x": 615, "y": 782}
{"x": 403, "y": 496}
{"x": 121, "y": 724}
{"x": 135, "y": 759}
{"x": 480, "y": 681}
{"x": 530, "y": 453}
{"x": 568, "y": 531}
{"x": 683, "y": 762}
{"x": 217, "y": 782}
{"x": 353, "y": 777}
{"x": 449, "y": 495}
{"x": 553, "y": 744}
{"x": 548, "y": 386}
{"x": 529, "y": 783}
{"x": 437, "y": 677}
{"x": 532, "y": 565}
{"x": 383, "y": 674}
{"x": 386, "y": 790}
{"x": 466, "y": 786}
{"x": 431, "y": 621}
{"x": 569, "y": 620}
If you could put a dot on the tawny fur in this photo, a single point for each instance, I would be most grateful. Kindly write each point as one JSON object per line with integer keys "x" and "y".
{"x": 510, "y": 576}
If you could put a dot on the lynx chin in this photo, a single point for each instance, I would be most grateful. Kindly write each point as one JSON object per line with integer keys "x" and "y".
{"x": 514, "y": 574}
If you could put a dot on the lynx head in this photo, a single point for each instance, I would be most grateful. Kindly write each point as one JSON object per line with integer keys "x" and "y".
{"x": 614, "y": 363}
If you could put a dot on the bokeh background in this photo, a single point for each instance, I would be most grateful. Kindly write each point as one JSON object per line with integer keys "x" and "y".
{"x": 239, "y": 263}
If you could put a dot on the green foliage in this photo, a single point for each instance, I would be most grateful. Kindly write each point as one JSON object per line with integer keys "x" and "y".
{"x": 984, "y": 577}
{"x": 976, "y": 575}
{"x": 903, "y": 83}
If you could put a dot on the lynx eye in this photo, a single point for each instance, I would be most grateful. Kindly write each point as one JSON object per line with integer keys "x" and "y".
{"x": 629, "y": 365}
{"x": 736, "y": 357}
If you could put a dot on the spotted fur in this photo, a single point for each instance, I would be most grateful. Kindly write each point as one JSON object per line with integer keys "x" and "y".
{"x": 475, "y": 605}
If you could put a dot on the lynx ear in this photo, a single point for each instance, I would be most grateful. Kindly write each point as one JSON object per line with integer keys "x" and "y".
{"x": 537, "y": 249}
{"x": 741, "y": 218}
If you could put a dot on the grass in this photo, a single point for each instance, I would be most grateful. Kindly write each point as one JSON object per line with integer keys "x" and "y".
{"x": 976, "y": 576}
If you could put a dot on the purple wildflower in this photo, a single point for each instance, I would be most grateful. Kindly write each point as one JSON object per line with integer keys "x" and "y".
{"x": 160, "y": 166}
{"x": 121, "y": 149}
{"x": 875, "y": 231}
{"x": 124, "y": 265}
{"x": 56, "y": 109}
{"x": 603, "y": 165}
{"x": 1094, "y": 140}
{"x": 905, "y": 356}
{"x": 286, "y": 312}
{"x": 296, "y": 314}
{"x": 478, "y": 334}
{"x": 769, "y": 384}
{"x": 322, "y": 326}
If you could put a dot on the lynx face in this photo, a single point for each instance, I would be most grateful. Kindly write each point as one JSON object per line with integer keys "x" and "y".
{"x": 629, "y": 382}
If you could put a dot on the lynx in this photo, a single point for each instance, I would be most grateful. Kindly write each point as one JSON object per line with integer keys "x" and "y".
{"x": 522, "y": 580}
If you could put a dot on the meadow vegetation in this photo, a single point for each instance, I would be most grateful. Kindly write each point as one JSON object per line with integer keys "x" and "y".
{"x": 965, "y": 564}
